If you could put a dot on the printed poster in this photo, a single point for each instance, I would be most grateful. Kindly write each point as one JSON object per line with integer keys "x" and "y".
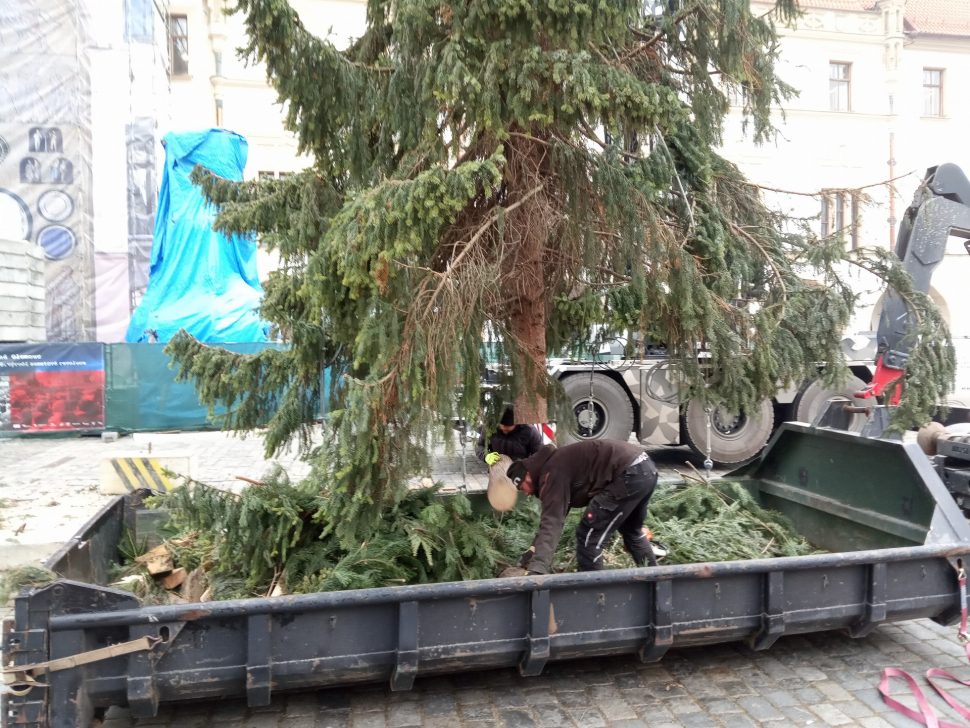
{"x": 45, "y": 153}
{"x": 51, "y": 387}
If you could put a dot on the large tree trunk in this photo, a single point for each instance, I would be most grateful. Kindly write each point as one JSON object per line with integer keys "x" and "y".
{"x": 528, "y": 229}
{"x": 528, "y": 323}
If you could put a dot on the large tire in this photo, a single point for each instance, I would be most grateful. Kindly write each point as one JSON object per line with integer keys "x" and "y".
{"x": 813, "y": 394}
{"x": 734, "y": 438}
{"x": 612, "y": 416}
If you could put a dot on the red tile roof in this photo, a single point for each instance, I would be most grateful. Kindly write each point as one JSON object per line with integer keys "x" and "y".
{"x": 839, "y": 4}
{"x": 935, "y": 17}
{"x": 939, "y": 17}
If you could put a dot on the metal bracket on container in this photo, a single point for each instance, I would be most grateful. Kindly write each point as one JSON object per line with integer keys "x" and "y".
{"x": 406, "y": 667}
{"x": 23, "y": 648}
{"x": 663, "y": 632}
{"x": 259, "y": 668}
{"x": 773, "y": 616}
{"x": 875, "y": 608}
{"x": 538, "y": 639}
{"x": 142, "y": 691}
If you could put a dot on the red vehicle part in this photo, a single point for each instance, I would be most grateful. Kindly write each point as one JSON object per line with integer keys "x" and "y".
{"x": 885, "y": 380}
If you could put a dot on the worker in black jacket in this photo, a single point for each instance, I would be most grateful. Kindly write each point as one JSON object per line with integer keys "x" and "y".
{"x": 612, "y": 480}
{"x": 516, "y": 441}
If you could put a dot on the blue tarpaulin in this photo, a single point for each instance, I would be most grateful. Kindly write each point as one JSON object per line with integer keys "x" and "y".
{"x": 199, "y": 280}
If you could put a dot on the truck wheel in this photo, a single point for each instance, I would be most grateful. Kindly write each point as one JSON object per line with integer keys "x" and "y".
{"x": 734, "y": 437}
{"x": 813, "y": 394}
{"x": 611, "y": 416}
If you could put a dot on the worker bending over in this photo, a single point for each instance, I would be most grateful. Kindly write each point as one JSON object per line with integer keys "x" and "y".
{"x": 516, "y": 441}
{"x": 612, "y": 480}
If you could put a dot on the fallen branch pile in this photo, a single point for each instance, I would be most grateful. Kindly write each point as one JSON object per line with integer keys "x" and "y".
{"x": 270, "y": 540}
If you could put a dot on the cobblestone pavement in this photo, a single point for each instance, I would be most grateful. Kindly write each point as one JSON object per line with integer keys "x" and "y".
{"x": 824, "y": 679}
{"x": 49, "y": 487}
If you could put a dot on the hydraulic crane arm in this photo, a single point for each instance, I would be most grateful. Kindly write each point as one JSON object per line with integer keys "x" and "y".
{"x": 939, "y": 209}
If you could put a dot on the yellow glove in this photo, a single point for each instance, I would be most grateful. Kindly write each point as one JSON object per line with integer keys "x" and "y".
{"x": 492, "y": 458}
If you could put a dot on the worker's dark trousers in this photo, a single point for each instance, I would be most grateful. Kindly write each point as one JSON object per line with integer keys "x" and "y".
{"x": 621, "y": 506}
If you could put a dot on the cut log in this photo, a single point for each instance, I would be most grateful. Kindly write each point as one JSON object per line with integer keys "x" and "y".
{"x": 157, "y": 561}
{"x": 174, "y": 579}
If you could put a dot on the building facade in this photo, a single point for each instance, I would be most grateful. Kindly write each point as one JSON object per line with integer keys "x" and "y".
{"x": 881, "y": 96}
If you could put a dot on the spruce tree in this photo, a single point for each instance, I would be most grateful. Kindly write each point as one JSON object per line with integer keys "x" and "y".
{"x": 522, "y": 177}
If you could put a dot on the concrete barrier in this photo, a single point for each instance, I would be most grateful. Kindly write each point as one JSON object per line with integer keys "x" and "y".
{"x": 124, "y": 472}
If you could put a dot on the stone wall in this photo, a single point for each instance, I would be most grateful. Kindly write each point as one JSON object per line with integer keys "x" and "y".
{"x": 22, "y": 294}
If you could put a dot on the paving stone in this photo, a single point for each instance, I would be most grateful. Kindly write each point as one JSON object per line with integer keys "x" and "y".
{"x": 440, "y": 721}
{"x": 438, "y": 704}
{"x": 509, "y": 697}
{"x": 517, "y": 719}
{"x": 849, "y": 680}
{"x": 639, "y": 696}
{"x": 799, "y": 715}
{"x": 551, "y": 717}
{"x": 775, "y": 669}
{"x": 739, "y": 720}
{"x": 718, "y": 706}
{"x": 302, "y": 704}
{"x": 757, "y": 679}
{"x": 698, "y": 720}
{"x": 604, "y": 692}
{"x": 735, "y": 688}
{"x": 333, "y": 719}
{"x": 779, "y": 698}
{"x": 333, "y": 700}
{"x": 629, "y": 724}
{"x": 809, "y": 695}
{"x": 587, "y": 718}
{"x": 792, "y": 683}
{"x": 832, "y": 691}
{"x": 470, "y": 697}
{"x": 402, "y": 715}
{"x": 809, "y": 673}
{"x": 573, "y": 699}
{"x": 831, "y": 715}
{"x": 257, "y": 720}
{"x": 701, "y": 686}
{"x": 854, "y": 709}
{"x": 656, "y": 713}
{"x": 897, "y": 719}
{"x": 875, "y": 722}
{"x": 368, "y": 720}
{"x": 682, "y": 706}
{"x": 476, "y": 712}
{"x": 616, "y": 709}
{"x": 873, "y": 699}
{"x": 760, "y": 709}
{"x": 540, "y": 696}
{"x": 298, "y": 721}
{"x": 629, "y": 681}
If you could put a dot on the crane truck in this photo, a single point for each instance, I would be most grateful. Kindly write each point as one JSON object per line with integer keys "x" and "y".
{"x": 612, "y": 399}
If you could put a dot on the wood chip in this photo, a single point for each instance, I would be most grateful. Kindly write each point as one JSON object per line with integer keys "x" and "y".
{"x": 157, "y": 561}
{"x": 174, "y": 579}
{"x": 206, "y": 595}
